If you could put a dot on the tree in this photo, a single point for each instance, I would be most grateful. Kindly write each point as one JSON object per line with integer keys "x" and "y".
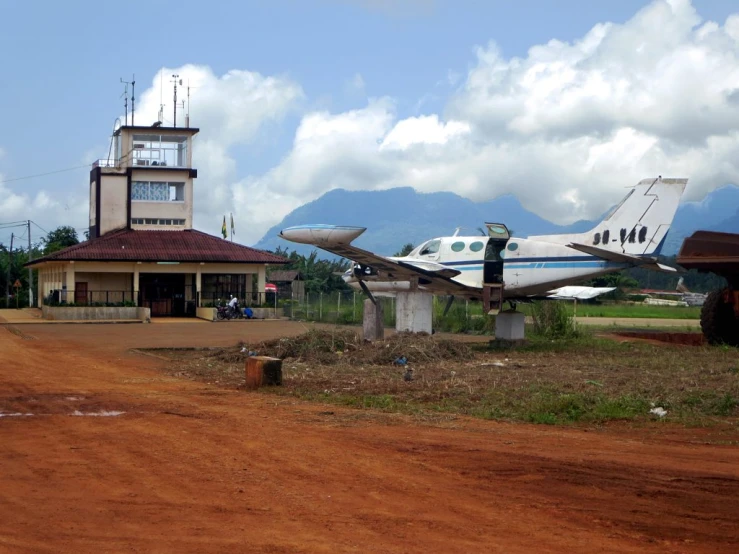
{"x": 318, "y": 275}
{"x": 60, "y": 238}
{"x": 404, "y": 251}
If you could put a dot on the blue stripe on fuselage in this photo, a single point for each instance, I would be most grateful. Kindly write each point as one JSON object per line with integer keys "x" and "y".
{"x": 550, "y": 262}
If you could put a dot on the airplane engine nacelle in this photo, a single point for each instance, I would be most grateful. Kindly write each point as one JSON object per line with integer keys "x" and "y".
{"x": 362, "y": 271}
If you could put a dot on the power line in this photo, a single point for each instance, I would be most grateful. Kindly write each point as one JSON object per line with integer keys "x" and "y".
{"x": 43, "y": 174}
{"x": 39, "y": 226}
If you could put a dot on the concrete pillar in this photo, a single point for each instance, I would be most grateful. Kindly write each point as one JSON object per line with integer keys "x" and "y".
{"x": 198, "y": 282}
{"x": 372, "y": 327}
{"x": 262, "y": 281}
{"x": 509, "y": 326}
{"x": 70, "y": 282}
{"x": 414, "y": 312}
{"x": 40, "y": 288}
{"x": 136, "y": 283}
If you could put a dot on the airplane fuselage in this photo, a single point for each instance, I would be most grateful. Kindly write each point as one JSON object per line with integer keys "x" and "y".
{"x": 525, "y": 267}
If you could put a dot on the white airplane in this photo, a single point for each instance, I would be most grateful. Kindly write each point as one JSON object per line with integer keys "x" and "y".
{"x": 498, "y": 267}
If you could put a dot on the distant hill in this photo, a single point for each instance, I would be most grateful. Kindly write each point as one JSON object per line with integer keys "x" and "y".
{"x": 718, "y": 211}
{"x": 396, "y": 216}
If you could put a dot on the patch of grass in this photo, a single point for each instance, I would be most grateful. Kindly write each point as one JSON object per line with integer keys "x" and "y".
{"x": 629, "y": 310}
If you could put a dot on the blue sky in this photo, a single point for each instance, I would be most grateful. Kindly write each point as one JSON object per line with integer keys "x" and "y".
{"x": 376, "y": 62}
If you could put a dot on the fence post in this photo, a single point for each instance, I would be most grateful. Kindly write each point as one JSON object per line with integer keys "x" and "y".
{"x": 338, "y": 307}
{"x": 320, "y": 306}
{"x": 354, "y": 307}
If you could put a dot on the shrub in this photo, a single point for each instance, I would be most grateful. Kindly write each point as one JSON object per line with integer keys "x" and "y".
{"x": 553, "y": 320}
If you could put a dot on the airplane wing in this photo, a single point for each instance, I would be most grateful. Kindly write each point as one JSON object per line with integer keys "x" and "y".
{"x": 431, "y": 276}
{"x": 620, "y": 257}
{"x": 579, "y": 293}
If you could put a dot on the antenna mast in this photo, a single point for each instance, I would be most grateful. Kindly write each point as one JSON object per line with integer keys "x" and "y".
{"x": 187, "y": 114}
{"x": 175, "y": 98}
{"x": 161, "y": 96}
{"x": 125, "y": 95}
{"x": 133, "y": 98}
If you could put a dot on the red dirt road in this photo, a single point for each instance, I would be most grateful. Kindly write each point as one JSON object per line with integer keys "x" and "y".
{"x": 193, "y": 468}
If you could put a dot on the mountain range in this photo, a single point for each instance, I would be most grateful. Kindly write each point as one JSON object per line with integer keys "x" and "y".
{"x": 398, "y": 216}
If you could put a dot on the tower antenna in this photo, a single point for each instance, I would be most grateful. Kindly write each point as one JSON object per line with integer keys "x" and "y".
{"x": 125, "y": 95}
{"x": 161, "y": 96}
{"x": 175, "y": 78}
{"x": 133, "y": 98}
{"x": 187, "y": 114}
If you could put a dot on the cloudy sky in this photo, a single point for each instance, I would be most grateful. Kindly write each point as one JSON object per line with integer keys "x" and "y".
{"x": 561, "y": 103}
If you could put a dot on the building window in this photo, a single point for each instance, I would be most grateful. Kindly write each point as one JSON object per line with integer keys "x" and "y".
{"x": 146, "y": 191}
{"x": 160, "y": 150}
{"x": 156, "y": 221}
{"x": 223, "y": 286}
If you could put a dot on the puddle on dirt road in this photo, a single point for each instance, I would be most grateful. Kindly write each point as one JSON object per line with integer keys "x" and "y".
{"x": 101, "y": 413}
{"x": 59, "y": 404}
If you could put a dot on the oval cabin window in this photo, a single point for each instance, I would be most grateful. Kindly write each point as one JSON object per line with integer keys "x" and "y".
{"x": 477, "y": 246}
{"x": 513, "y": 247}
{"x": 458, "y": 246}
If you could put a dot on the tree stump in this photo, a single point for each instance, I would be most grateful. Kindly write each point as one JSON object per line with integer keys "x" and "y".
{"x": 263, "y": 370}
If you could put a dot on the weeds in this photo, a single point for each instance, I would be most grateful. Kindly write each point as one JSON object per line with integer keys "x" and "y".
{"x": 577, "y": 380}
{"x": 553, "y": 321}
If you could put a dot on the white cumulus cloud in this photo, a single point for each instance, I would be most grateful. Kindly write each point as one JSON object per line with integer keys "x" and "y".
{"x": 564, "y": 128}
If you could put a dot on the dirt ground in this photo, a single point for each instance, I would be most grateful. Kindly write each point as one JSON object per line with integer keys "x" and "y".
{"x": 119, "y": 457}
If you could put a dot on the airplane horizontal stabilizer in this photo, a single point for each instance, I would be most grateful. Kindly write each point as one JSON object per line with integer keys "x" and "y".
{"x": 620, "y": 257}
{"x": 610, "y": 255}
{"x": 659, "y": 267}
{"x": 579, "y": 293}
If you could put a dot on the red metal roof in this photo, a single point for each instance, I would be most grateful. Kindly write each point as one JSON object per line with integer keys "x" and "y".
{"x": 161, "y": 246}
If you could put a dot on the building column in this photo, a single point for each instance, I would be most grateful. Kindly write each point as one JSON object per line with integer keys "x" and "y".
{"x": 261, "y": 282}
{"x": 136, "y": 283}
{"x": 40, "y": 288}
{"x": 198, "y": 283}
{"x": 70, "y": 281}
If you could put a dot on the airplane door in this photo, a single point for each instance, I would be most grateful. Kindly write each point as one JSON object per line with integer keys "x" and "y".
{"x": 493, "y": 264}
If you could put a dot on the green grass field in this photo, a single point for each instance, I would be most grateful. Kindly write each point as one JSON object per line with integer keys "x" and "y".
{"x": 631, "y": 310}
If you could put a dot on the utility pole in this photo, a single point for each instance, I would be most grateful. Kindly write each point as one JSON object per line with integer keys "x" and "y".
{"x": 10, "y": 262}
{"x": 30, "y": 271}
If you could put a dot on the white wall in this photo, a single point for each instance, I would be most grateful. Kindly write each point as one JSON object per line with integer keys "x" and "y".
{"x": 113, "y": 202}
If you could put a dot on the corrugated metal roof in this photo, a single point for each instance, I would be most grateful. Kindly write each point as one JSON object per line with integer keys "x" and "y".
{"x": 286, "y": 275}
{"x": 161, "y": 246}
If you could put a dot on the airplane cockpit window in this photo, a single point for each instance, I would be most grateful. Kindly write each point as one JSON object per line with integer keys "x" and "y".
{"x": 431, "y": 247}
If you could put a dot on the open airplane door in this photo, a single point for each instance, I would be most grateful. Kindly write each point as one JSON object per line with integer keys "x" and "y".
{"x": 492, "y": 286}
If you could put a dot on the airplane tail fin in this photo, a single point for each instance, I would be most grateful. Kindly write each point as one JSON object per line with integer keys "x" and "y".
{"x": 638, "y": 225}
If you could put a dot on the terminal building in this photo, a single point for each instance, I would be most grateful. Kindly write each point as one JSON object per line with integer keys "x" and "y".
{"x": 142, "y": 248}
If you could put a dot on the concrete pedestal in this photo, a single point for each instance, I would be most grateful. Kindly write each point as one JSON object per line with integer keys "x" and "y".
{"x": 414, "y": 312}
{"x": 509, "y": 326}
{"x": 372, "y": 327}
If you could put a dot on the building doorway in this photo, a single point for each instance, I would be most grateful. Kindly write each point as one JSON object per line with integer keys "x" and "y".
{"x": 167, "y": 294}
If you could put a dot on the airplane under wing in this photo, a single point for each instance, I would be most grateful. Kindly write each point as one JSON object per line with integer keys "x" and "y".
{"x": 620, "y": 257}
{"x": 580, "y": 293}
{"x": 432, "y": 277}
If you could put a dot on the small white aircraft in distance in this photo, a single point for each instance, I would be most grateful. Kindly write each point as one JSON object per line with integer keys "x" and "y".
{"x": 498, "y": 267}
